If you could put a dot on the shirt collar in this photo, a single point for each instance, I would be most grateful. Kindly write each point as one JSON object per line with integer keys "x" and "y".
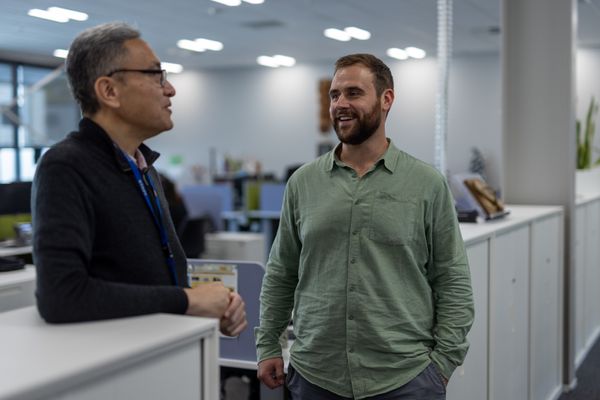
{"x": 389, "y": 158}
{"x": 90, "y": 131}
{"x": 138, "y": 158}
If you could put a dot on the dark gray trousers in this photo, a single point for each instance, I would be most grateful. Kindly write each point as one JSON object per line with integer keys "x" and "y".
{"x": 427, "y": 385}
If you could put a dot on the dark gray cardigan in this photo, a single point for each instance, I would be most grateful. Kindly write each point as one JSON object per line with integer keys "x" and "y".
{"x": 96, "y": 247}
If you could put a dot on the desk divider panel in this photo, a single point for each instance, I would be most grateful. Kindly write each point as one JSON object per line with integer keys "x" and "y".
{"x": 271, "y": 196}
{"x": 250, "y": 275}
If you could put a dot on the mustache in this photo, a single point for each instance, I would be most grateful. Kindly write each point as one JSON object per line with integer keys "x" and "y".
{"x": 344, "y": 113}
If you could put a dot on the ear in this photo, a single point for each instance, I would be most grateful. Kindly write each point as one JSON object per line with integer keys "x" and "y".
{"x": 387, "y": 98}
{"x": 107, "y": 92}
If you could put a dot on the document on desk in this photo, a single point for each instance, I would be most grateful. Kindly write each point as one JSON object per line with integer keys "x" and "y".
{"x": 200, "y": 273}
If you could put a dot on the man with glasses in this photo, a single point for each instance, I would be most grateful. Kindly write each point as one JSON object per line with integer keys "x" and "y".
{"x": 104, "y": 243}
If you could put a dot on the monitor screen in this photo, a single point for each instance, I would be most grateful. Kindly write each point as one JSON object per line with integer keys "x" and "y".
{"x": 15, "y": 198}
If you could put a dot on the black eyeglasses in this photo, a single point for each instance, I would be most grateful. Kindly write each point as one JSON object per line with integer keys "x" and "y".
{"x": 162, "y": 72}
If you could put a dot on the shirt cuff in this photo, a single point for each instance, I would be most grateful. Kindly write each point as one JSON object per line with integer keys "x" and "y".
{"x": 266, "y": 348}
{"x": 445, "y": 366}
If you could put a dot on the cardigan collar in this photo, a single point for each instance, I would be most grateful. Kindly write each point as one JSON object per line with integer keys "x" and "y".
{"x": 91, "y": 132}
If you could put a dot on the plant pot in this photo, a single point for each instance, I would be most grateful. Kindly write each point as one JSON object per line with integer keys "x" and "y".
{"x": 587, "y": 182}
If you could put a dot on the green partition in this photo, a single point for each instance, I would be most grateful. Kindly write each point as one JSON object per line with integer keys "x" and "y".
{"x": 7, "y": 224}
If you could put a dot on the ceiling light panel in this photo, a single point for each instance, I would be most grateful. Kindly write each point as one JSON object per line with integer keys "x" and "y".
{"x": 230, "y": 3}
{"x": 200, "y": 45}
{"x": 267, "y": 61}
{"x": 415, "y": 52}
{"x": 190, "y": 45}
{"x": 397, "y": 53}
{"x": 171, "y": 67}
{"x": 58, "y": 14}
{"x": 209, "y": 44}
{"x": 357, "y": 33}
{"x": 45, "y": 14}
{"x": 254, "y": 1}
{"x": 276, "y": 61}
{"x": 60, "y": 53}
{"x": 336, "y": 34}
{"x": 69, "y": 14}
{"x": 284, "y": 61}
{"x": 349, "y": 32}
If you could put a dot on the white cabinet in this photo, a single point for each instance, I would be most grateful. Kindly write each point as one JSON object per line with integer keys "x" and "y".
{"x": 546, "y": 307}
{"x": 242, "y": 246}
{"x": 158, "y": 356}
{"x": 148, "y": 380}
{"x": 587, "y": 277}
{"x": 509, "y": 315}
{"x": 580, "y": 233}
{"x": 591, "y": 288}
{"x": 516, "y": 339}
{"x": 469, "y": 381}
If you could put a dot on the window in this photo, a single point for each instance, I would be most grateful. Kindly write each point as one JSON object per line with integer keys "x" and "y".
{"x": 6, "y": 96}
{"x": 37, "y": 110}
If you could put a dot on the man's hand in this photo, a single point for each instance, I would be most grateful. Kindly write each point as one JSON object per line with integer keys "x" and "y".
{"x": 270, "y": 372}
{"x": 208, "y": 300}
{"x": 233, "y": 321}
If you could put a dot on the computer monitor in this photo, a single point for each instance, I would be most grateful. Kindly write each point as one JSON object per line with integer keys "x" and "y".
{"x": 15, "y": 198}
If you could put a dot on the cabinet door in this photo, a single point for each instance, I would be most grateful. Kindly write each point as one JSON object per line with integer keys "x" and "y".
{"x": 591, "y": 302}
{"x": 469, "y": 381}
{"x": 167, "y": 375}
{"x": 546, "y": 307}
{"x": 509, "y": 315}
{"x": 580, "y": 262}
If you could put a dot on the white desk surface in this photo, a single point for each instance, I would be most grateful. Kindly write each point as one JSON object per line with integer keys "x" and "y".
{"x": 19, "y": 276}
{"x": 519, "y": 215}
{"x": 15, "y": 251}
{"x": 584, "y": 198}
{"x": 39, "y": 359}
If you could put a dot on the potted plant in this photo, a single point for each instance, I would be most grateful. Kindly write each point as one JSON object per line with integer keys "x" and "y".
{"x": 585, "y": 143}
{"x": 587, "y": 179}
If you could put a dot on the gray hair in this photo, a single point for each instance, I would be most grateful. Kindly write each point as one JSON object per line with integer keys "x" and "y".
{"x": 95, "y": 52}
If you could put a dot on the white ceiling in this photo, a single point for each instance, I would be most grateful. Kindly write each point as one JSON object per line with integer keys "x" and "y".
{"x": 289, "y": 27}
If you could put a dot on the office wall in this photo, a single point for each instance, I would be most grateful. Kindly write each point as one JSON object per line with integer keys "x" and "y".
{"x": 265, "y": 114}
{"x": 272, "y": 115}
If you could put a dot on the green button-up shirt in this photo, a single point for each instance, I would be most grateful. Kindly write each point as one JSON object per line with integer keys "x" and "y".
{"x": 375, "y": 270}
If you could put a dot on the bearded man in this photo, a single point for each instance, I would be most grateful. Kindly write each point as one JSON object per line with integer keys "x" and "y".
{"x": 370, "y": 258}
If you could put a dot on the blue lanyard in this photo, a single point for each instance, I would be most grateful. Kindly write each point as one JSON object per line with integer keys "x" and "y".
{"x": 156, "y": 212}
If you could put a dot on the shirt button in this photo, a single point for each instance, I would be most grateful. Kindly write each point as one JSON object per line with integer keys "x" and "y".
{"x": 351, "y": 350}
{"x": 352, "y": 288}
{"x": 353, "y": 261}
{"x": 351, "y": 317}
{"x": 355, "y": 233}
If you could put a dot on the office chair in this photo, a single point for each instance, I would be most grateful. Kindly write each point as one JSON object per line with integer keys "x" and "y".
{"x": 191, "y": 235}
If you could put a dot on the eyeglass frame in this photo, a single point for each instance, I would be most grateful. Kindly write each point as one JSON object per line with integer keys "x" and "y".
{"x": 162, "y": 72}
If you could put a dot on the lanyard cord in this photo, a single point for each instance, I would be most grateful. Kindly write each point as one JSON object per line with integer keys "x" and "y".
{"x": 144, "y": 181}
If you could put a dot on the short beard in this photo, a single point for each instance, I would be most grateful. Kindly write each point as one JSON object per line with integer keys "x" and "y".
{"x": 367, "y": 126}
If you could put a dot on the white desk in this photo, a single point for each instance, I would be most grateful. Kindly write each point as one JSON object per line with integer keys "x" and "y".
{"x": 17, "y": 288}
{"x": 159, "y": 356}
{"x": 15, "y": 251}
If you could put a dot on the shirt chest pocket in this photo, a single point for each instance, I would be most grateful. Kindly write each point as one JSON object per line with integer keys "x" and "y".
{"x": 393, "y": 221}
